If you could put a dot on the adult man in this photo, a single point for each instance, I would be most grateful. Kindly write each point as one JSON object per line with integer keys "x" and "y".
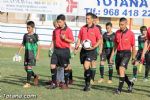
{"x": 124, "y": 43}
{"x": 87, "y": 56}
{"x": 62, "y": 37}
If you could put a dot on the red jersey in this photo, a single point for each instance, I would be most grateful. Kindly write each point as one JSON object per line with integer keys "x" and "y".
{"x": 148, "y": 33}
{"x": 91, "y": 33}
{"x": 124, "y": 40}
{"x": 60, "y": 43}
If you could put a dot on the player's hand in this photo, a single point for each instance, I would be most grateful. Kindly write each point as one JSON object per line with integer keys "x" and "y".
{"x": 133, "y": 61}
{"x": 142, "y": 61}
{"x": 111, "y": 60}
{"x": 63, "y": 36}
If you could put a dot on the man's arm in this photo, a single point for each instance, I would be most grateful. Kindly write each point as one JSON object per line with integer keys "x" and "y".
{"x": 20, "y": 49}
{"x": 144, "y": 50}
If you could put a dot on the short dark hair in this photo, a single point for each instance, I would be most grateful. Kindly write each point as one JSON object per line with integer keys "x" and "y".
{"x": 90, "y": 14}
{"x": 61, "y": 17}
{"x": 95, "y": 16}
{"x": 31, "y": 23}
{"x": 109, "y": 24}
{"x": 123, "y": 19}
{"x": 142, "y": 28}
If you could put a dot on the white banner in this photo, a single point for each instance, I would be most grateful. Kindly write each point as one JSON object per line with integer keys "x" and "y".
{"x": 104, "y": 8}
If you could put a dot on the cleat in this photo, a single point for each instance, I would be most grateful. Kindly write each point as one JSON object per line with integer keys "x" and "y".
{"x": 130, "y": 88}
{"x": 109, "y": 81}
{"x": 27, "y": 85}
{"x": 145, "y": 80}
{"x": 92, "y": 82}
{"x": 52, "y": 86}
{"x": 133, "y": 79}
{"x": 86, "y": 88}
{"x": 117, "y": 91}
{"x": 101, "y": 80}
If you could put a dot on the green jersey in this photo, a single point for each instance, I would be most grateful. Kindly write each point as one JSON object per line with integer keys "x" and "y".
{"x": 108, "y": 40}
{"x": 30, "y": 42}
{"x": 141, "y": 41}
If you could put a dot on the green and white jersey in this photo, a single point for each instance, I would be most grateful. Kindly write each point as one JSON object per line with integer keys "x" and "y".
{"x": 30, "y": 42}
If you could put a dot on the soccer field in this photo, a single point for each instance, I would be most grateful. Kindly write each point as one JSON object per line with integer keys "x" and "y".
{"x": 13, "y": 77}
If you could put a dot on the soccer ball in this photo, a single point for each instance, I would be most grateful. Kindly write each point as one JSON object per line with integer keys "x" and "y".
{"x": 87, "y": 44}
{"x": 17, "y": 58}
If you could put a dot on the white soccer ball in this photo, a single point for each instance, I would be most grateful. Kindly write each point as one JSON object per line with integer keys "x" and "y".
{"x": 17, "y": 58}
{"x": 87, "y": 44}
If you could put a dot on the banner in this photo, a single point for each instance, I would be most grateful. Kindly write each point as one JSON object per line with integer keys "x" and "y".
{"x": 103, "y": 8}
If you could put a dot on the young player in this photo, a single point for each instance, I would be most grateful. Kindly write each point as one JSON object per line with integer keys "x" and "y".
{"x": 141, "y": 41}
{"x": 87, "y": 56}
{"x": 30, "y": 42}
{"x": 108, "y": 44}
{"x": 62, "y": 37}
{"x": 124, "y": 44}
{"x": 146, "y": 55}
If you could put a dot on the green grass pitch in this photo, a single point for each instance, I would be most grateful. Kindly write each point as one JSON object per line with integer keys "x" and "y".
{"x": 13, "y": 77}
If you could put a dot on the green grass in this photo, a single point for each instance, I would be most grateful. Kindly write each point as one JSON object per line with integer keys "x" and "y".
{"x": 13, "y": 77}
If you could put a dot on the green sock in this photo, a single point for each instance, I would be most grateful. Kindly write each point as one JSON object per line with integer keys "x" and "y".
{"x": 93, "y": 72}
{"x": 135, "y": 71}
{"x": 110, "y": 73}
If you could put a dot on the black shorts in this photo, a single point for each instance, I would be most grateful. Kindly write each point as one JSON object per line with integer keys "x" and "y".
{"x": 61, "y": 57}
{"x": 29, "y": 62}
{"x": 138, "y": 55}
{"x": 122, "y": 58}
{"x": 87, "y": 55}
{"x": 147, "y": 58}
{"x": 106, "y": 54}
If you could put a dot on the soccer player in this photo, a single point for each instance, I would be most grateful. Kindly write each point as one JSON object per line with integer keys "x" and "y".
{"x": 30, "y": 42}
{"x": 124, "y": 45}
{"x": 87, "y": 56}
{"x": 108, "y": 44}
{"x": 146, "y": 55}
{"x": 62, "y": 37}
{"x": 141, "y": 41}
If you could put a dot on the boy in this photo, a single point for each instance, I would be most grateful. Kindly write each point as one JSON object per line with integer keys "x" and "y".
{"x": 108, "y": 44}
{"x": 146, "y": 54}
{"x": 30, "y": 42}
{"x": 141, "y": 41}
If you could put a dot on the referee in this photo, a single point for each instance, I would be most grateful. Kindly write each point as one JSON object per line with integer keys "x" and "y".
{"x": 124, "y": 45}
{"x": 62, "y": 37}
{"x": 88, "y": 56}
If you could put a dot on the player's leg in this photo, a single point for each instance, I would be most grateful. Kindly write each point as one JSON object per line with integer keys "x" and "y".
{"x": 93, "y": 71}
{"x": 101, "y": 67}
{"x": 53, "y": 67}
{"x": 70, "y": 74}
{"x": 147, "y": 66}
{"x": 134, "y": 77}
{"x": 87, "y": 75}
{"x": 124, "y": 63}
{"x": 121, "y": 77}
{"x": 135, "y": 64}
{"x": 64, "y": 60}
{"x": 110, "y": 66}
